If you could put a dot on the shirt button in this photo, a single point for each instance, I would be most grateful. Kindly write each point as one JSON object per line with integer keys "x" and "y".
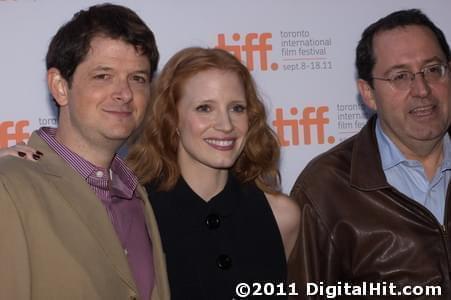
{"x": 99, "y": 174}
{"x": 213, "y": 221}
{"x": 224, "y": 262}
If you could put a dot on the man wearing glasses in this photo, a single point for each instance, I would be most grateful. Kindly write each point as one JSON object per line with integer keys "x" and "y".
{"x": 376, "y": 208}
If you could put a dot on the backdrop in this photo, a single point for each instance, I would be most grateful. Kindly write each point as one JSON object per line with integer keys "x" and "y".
{"x": 301, "y": 53}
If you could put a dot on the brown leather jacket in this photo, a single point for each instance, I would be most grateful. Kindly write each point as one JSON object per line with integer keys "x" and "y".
{"x": 355, "y": 227}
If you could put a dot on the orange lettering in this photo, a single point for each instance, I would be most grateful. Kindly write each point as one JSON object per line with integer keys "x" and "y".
{"x": 18, "y": 135}
{"x": 311, "y": 117}
{"x": 253, "y": 43}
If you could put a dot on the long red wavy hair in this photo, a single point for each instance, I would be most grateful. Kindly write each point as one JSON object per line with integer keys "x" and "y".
{"x": 153, "y": 154}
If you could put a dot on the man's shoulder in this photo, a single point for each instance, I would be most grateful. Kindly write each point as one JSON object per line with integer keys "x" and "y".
{"x": 337, "y": 158}
{"x": 20, "y": 175}
{"x": 326, "y": 171}
{"x": 11, "y": 166}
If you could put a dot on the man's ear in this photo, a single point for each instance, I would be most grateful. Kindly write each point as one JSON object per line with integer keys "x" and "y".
{"x": 58, "y": 86}
{"x": 367, "y": 94}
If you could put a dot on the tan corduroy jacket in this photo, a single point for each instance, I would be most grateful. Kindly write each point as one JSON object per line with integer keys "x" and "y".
{"x": 56, "y": 239}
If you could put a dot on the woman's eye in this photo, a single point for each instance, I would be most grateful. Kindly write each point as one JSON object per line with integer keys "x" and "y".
{"x": 203, "y": 108}
{"x": 239, "y": 108}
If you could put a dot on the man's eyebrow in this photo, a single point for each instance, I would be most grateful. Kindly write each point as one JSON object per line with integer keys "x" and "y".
{"x": 435, "y": 59}
{"x": 106, "y": 68}
{"x": 146, "y": 72}
{"x": 102, "y": 68}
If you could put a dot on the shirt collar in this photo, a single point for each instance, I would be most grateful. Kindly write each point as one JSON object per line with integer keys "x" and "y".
{"x": 127, "y": 181}
{"x": 392, "y": 156}
{"x": 446, "y": 165}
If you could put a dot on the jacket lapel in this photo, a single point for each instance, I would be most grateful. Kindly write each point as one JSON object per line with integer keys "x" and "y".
{"x": 161, "y": 287}
{"x": 366, "y": 160}
{"x": 82, "y": 199}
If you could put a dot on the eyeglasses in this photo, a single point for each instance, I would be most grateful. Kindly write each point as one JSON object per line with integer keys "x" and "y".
{"x": 403, "y": 80}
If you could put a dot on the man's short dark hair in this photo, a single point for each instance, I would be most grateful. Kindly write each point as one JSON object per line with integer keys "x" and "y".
{"x": 69, "y": 47}
{"x": 365, "y": 59}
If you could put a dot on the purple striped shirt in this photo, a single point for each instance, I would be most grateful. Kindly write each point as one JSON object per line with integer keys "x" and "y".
{"x": 116, "y": 190}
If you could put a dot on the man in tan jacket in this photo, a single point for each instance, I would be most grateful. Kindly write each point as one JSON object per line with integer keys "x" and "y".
{"x": 76, "y": 224}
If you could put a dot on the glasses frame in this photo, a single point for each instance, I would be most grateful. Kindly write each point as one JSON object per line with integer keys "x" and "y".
{"x": 412, "y": 76}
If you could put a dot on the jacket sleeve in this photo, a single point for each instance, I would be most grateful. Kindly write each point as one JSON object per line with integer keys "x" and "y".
{"x": 14, "y": 261}
{"x": 314, "y": 259}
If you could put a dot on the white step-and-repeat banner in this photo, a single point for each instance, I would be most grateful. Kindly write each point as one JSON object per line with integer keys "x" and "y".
{"x": 301, "y": 53}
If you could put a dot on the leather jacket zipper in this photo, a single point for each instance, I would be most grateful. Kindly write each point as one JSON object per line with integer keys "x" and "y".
{"x": 442, "y": 227}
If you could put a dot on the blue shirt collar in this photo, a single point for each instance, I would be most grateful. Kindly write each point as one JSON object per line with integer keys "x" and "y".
{"x": 392, "y": 156}
{"x": 446, "y": 165}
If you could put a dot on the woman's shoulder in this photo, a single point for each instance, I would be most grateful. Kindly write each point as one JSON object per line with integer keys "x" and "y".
{"x": 288, "y": 217}
{"x": 284, "y": 206}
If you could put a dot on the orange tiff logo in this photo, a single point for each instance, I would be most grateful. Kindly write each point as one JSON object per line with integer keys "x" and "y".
{"x": 253, "y": 43}
{"x": 311, "y": 120}
{"x": 13, "y": 131}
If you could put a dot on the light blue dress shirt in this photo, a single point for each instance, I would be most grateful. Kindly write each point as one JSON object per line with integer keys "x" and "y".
{"x": 408, "y": 176}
